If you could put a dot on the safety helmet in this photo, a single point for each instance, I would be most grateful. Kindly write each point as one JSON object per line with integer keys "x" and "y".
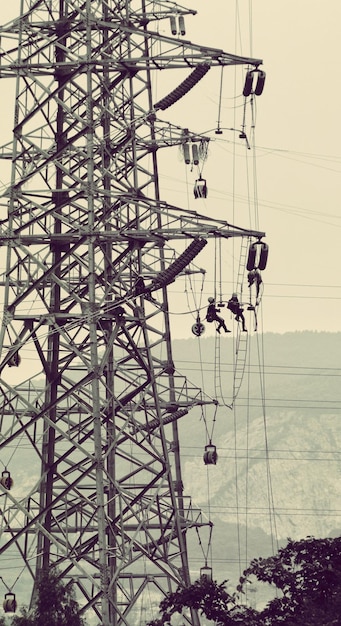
{"x": 234, "y": 295}
{"x": 211, "y": 299}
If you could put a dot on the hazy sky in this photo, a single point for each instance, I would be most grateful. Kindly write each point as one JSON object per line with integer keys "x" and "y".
{"x": 297, "y": 158}
{"x": 297, "y": 155}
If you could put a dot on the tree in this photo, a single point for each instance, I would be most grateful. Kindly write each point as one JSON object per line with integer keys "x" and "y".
{"x": 308, "y": 575}
{"x": 55, "y": 605}
{"x": 210, "y": 599}
{"x": 25, "y": 619}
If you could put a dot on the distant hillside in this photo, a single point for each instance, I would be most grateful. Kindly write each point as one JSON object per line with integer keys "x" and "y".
{"x": 279, "y": 464}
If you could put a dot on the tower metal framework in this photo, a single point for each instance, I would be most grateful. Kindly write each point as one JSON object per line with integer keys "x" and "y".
{"x": 90, "y": 394}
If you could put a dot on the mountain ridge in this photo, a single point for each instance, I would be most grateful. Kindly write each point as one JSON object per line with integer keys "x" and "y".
{"x": 278, "y": 468}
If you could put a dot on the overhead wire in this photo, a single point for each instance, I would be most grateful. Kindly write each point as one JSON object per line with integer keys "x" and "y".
{"x": 234, "y": 174}
{"x": 271, "y": 503}
{"x": 252, "y": 202}
{"x": 209, "y": 430}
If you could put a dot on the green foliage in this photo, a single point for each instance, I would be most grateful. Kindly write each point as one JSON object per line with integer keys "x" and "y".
{"x": 25, "y": 619}
{"x": 210, "y": 599}
{"x": 55, "y": 605}
{"x": 307, "y": 573}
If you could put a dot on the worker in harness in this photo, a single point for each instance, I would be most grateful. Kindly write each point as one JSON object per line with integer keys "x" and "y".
{"x": 211, "y": 316}
{"x": 234, "y": 306}
{"x": 254, "y": 278}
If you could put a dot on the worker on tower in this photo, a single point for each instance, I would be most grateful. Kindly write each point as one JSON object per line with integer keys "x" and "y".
{"x": 211, "y": 316}
{"x": 254, "y": 278}
{"x": 141, "y": 289}
{"x": 118, "y": 311}
{"x": 234, "y": 306}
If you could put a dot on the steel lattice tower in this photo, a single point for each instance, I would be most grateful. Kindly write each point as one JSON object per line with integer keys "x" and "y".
{"x": 87, "y": 252}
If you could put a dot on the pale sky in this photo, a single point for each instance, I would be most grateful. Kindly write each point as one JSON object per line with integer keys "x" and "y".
{"x": 297, "y": 159}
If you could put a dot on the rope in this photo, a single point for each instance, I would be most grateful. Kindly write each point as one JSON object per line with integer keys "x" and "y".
{"x": 247, "y": 462}
{"x": 272, "y": 518}
{"x": 236, "y": 486}
{"x": 213, "y": 423}
{"x": 197, "y": 304}
{"x": 205, "y": 554}
{"x": 220, "y": 271}
{"x": 220, "y": 99}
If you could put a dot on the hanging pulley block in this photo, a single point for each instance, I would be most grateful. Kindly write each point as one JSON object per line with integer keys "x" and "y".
{"x": 210, "y": 455}
{"x": 206, "y": 573}
{"x": 200, "y": 188}
{"x": 198, "y": 328}
{"x": 6, "y": 480}
{"x": 15, "y": 360}
{"x": 10, "y": 603}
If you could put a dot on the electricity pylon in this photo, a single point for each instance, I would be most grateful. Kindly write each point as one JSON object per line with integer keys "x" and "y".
{"x": 90, "y": 395}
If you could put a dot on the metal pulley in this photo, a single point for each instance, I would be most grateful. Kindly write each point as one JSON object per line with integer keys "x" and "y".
{"x": 206, "y": 573}
{"x": 6, "y": 480}
{"x": 198, "y": 328}
{"x": 210, "y": 455}
{"x": 200, "y": 188}
{"x": 10, "y": 603}
{"x": 15, "y": 360}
